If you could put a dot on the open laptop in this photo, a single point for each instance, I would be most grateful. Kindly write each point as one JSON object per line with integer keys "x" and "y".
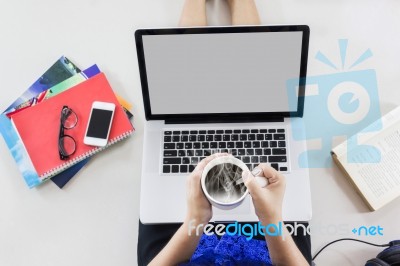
{"x": 220, "y": 89}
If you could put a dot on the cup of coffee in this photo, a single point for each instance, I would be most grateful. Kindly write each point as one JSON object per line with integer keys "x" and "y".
{"x": 222, "y": 182}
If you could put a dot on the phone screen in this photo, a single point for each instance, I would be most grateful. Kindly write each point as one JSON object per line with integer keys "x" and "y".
{"x": 99, "y": 123}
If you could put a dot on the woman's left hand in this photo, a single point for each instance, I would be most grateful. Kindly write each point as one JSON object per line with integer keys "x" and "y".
{"x": 198, "y": 207}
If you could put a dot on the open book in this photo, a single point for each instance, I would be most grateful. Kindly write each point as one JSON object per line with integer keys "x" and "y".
{"x": 373, "y": 166}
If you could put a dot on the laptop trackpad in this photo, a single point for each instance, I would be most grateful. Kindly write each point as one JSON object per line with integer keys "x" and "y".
{"x": 244, "y": 208}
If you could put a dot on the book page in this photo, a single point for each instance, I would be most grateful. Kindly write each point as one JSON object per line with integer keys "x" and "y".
{"x": 378, "y": 182}
{"x": 382, "y": 124}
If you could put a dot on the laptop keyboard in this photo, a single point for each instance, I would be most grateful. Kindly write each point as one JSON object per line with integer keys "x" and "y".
{"x": 183, "y": 149}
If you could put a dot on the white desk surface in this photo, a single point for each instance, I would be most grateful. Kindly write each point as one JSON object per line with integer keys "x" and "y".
{"x": 94, "y": 219}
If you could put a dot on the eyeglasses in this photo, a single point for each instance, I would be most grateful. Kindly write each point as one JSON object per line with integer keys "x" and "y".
{"x": 66, "y": 143}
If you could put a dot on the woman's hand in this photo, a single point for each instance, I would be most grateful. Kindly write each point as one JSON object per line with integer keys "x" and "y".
{"x": 184, "y": 242}
{"x": 267, "y": 200}
{"x": 198, "y": 207}
{"x": 268, "y": 204}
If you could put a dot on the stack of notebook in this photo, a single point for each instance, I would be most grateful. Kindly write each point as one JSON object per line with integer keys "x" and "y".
{"x": 30, "y": 125}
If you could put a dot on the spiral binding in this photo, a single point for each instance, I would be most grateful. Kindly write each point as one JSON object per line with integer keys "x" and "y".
{"x": 49, "y": 174}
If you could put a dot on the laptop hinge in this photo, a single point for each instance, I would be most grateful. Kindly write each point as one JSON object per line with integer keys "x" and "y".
{"x": 221, "y": 120}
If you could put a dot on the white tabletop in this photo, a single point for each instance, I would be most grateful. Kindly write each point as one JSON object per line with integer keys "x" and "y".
{"x": 94, "y": 219}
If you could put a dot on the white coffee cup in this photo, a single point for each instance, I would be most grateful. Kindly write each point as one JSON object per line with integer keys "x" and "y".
{"x": 217, "y": 177}
{"x": 222, "y": 182}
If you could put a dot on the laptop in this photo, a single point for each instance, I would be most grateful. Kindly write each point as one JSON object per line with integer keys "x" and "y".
{"x": 220, "y": 89}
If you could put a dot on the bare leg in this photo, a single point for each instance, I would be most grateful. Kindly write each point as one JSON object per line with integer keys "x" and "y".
{"x": 244, "y": 12}
{"x": 193, "y": 13}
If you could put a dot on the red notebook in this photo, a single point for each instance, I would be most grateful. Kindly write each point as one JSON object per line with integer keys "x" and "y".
{"x": 38, "y": 126}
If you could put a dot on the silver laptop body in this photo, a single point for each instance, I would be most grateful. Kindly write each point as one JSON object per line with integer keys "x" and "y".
{"x": 221, "y": 89}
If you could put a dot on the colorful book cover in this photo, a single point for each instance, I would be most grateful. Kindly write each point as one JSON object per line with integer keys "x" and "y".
{"x": 39, "y": 126}
{"x": 62, "y": 69}
{"x": 18, "y": 152}
{"x": 15, "y": 145}
{"x": 56, "y": 89}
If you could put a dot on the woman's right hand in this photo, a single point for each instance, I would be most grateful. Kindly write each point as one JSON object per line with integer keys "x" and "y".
{"x": 267, "y": 200}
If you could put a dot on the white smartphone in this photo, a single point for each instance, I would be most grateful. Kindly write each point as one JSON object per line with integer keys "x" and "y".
{"x": 99, "y": 125}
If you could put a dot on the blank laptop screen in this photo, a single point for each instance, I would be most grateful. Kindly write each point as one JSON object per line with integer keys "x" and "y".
{"x": 221, "y": 73}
